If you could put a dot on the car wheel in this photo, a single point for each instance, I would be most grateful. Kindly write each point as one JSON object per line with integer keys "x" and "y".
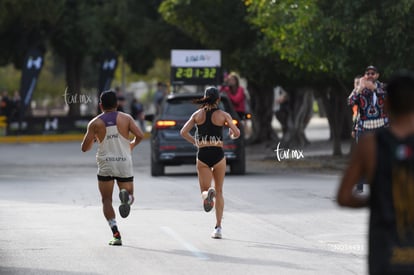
{"x": 238, "y": 167}
{"x": 157, "y": 169}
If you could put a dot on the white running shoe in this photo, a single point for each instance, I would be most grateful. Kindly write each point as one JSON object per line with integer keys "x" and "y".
{"x": 216, "y": 233}
{"x": 115, "y": 241}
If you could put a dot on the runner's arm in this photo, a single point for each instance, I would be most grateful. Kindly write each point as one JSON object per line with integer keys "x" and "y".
{"x": 139, "y": 135}
{"x": 89, "y": 137}
{"x": 185, "y": 131}
{"x": 234, "y": 131}
{"x": 360, "y": 168}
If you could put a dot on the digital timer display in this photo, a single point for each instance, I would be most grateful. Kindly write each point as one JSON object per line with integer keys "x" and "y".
{"x": 195, "y": 75}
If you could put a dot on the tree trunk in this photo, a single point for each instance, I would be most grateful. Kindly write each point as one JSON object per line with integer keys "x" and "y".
{"x": 338, "y": 114}
{"x": 325, "y": 100}
{"x": 337, "y": 126}
{"x": 261, "y": 100}
{"x": 299, "y": 115}
{"x": 73, "y": 81}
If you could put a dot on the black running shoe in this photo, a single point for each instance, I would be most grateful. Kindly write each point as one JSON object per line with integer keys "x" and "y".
{"x": 124, "y": 208}
{"x": 209, "y": 202}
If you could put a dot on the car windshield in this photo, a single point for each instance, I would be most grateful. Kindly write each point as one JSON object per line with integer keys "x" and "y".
{"x": 182, "y": 107}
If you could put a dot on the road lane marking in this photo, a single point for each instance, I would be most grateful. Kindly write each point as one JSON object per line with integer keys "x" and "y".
{"x": 194, "y": 250}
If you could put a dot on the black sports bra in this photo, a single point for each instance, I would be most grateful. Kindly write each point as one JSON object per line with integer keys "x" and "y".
{"x": 208, "y": 131}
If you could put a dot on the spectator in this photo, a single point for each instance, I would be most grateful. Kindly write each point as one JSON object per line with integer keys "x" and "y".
{"x": 6, "y": 109}
{"x": 369, "y": 97}
{"x": 121, "y": 99}
{"x": 236, "y": 94}
{"x": 137, "y": 113}
{"x": 281, "y": 108}
{"x": 5, "y": 104}
{"x": 355, "y": 113}
{"x": 386, "y": 159}
{"x": 159, "y": 95}
{"x": 15, "y": 105}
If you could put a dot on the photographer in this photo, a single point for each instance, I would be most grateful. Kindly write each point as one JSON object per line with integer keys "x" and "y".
{"x": 370, "y": 98}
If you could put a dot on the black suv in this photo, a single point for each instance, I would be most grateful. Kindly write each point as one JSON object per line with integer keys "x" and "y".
{"x": 169, "y": 148}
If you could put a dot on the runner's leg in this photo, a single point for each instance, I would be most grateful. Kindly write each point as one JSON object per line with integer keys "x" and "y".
{"x": 126, "y": 195}
{"x": 129, "y": 186}
{"x": 219, "y": 170}
{"x": 204, "y": 175}
{"x": 106, "y": 188}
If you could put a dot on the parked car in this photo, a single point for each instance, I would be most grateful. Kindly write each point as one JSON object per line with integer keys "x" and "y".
{"x": 169, "y": 148}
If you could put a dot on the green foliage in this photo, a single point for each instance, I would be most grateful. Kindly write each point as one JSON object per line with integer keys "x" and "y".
{"x": 159, "y": 72}
{"x": 51, "y": 84}
{"x": 376, "y": 32}
{"x": 268, "y": 41}
{"x": 338, "y": 38}
{"x": 134, "y": 29}
{"x": 140, "y": 35}
{"x": 80, "y": 29}
{"x": 214, "y": 23}
{"x": 9, "y": 78}
{"x": 222, "y": 25}
{"x": 24, "y": 24}
{"x": 293, "y": 29}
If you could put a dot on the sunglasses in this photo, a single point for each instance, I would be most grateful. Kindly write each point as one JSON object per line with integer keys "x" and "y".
{"x": 368, "y": 73}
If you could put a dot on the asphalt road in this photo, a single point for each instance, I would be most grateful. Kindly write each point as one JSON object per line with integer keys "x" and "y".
{"x": 51, "y": 220}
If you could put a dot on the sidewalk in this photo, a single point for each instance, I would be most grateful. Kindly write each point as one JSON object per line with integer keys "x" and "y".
{"x": 315, "y": 157}
{"x": 46, "y": 138}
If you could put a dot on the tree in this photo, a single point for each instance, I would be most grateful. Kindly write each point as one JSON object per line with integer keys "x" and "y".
{"x": 221, "y": 24}
{"x": 333, "y": 41}
{"x": 308, "y": 47}
{"x": 25, "y": 24}
{"x": 295, "y": 31}
{"x": 68, "y": 26}
{"x": 142, "y": 36}
{"x": 79, "y": 32}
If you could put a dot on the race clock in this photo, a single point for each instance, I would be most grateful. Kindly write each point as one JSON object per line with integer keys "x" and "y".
{"x": 195, "y": 67}
{"x": 195, "y": 75}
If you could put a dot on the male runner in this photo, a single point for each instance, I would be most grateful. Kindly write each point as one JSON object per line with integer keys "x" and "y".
{"x": 385, "y": 158}
{"x": 111, "y": 129}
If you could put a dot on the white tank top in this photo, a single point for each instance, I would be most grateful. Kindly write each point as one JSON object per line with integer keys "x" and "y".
{"x": 114, "y": 152}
